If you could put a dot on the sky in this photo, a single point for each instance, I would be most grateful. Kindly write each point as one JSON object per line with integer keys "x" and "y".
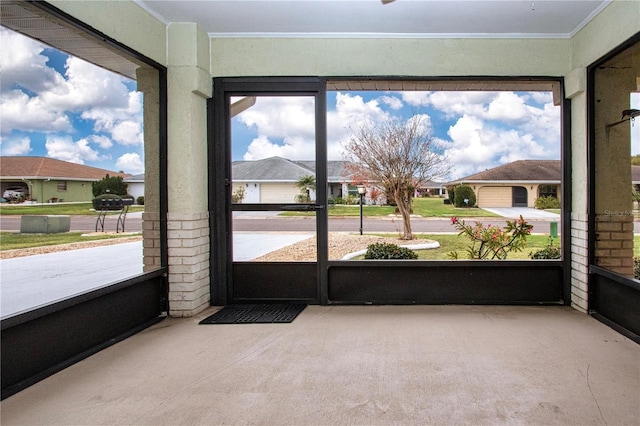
{"x": 57, "y": 106}
{"x": 475, "y": 130}
{"x": 62, "y": 107}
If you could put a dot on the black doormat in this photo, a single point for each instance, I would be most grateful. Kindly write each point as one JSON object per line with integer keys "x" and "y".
{"x": 256, "y": 313}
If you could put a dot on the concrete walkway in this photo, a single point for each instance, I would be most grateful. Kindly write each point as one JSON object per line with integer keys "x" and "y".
{"x": 526, "y": 212}
{"x": 353, "y": 365}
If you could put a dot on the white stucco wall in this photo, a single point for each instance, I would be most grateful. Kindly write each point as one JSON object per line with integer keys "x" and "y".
{"x": 371, "y": 57}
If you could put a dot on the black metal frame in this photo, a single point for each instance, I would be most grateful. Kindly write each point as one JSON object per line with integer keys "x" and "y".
{"x": 220, "y": 206}
{"x": 44, "y": 341}
{"x": 538, "y": 282}
{"x": 613, "y": 298}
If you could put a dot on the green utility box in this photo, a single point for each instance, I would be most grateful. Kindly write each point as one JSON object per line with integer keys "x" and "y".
{"x": 553, "y": 229}
{"x": 46, "y": 224}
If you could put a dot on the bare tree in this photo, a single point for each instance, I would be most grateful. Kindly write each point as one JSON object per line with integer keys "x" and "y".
{"x": 397, "y": 155}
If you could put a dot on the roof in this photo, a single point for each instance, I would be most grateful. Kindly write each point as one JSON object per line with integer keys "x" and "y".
{"x": 278, "y": 169}
{"x": 44, "y": 168}
{"x": 521, "y": 170}
{"x": 135, "y": 178}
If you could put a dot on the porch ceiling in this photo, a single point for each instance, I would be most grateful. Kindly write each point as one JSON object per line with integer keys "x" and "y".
{"x": 311, "y": 18}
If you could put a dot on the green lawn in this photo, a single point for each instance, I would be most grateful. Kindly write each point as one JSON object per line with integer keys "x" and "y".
{"x": 425, "y": 207}
{"x": 75, "y": 209}
{"x": 15, "y": 240}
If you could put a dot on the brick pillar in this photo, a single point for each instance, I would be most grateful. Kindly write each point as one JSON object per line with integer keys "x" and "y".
{"x": 151, "y": 241}
{"x": 189, "y": 87}
{"x": 614, "y": 241}
{"x": 188, "y": 244}
{"x": 579, "y": 262}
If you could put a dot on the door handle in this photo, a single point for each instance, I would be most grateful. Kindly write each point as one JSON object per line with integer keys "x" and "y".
{"x": 303, "y": 207}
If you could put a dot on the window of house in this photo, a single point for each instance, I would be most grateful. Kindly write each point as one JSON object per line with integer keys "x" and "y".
{"x": 548, "y": 191}
{"x": 62, "y": 185}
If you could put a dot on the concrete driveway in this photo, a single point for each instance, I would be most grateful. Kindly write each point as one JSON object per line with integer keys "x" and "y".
{"x": 526, "y": 212}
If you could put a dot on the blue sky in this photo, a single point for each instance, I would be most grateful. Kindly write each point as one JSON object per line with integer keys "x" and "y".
{"x": 57, "y": 106}
{"x": 477, "y": 130}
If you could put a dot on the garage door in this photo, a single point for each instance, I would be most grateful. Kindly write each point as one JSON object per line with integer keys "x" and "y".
{"x": 494, "y": 196}
{"x": 278, "y": 193}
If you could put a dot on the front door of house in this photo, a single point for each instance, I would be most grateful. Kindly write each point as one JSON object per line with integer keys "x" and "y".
{"x": 270, "y": 142}
{"x": 519, "y": 196}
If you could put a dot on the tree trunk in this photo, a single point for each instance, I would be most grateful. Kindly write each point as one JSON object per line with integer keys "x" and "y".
{"x": 404, "y": 207}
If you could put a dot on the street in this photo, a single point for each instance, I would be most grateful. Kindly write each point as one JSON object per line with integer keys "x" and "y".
{"x": 271, "y": 223}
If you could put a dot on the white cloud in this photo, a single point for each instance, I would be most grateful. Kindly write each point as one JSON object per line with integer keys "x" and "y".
{"x": 64, "y": 148}
{"x": 22, "y": 64}
{"x": 296, "y": 149}
{"x": 37, "y": 98}
{"x": 130, "y": 163}
{"x": 20, "y": 112}
{"x": 285, "y": 127}
{"x": 392, "y": 102}
{"x": 87, "y": 86}
{"x": 477, "y": 146}
{"x": 351, "y": 112}
{"x": 15, "y": 146}
{"x": 102, "y": 141}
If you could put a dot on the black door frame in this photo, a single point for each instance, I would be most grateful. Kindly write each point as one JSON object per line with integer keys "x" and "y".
{"x": 376, "y": 282}
{"x": 222, "y": 266}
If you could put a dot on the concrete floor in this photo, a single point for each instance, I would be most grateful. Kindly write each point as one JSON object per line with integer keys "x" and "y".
{"x": 475, "y": 365}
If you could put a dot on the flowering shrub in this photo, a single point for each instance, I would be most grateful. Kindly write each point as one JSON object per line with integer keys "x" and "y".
{"x": 492, "y": 242}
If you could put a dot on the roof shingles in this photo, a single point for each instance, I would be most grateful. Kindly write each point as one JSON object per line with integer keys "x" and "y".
{"x": 42, "y": 167}
{"x": 521, "y": 170}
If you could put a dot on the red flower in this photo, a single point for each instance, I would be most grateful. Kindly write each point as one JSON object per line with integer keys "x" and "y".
{"x": 454, "y": 220}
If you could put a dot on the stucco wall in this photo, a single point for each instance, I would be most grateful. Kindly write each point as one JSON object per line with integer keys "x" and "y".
{"x": 371, "y": 57}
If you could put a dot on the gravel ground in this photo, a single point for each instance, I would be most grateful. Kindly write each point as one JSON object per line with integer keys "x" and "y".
{"x": 340, "y": 244}
{"x": 10, "y": 254}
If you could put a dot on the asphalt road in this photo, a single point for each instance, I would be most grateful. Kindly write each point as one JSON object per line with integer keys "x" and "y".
{"x": 293, "y": 223}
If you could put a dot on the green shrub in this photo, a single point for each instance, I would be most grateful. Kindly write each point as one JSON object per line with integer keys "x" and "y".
{"x": 464, "y": 192}
{"x": 636, "y": 268}
{"x": 140, "y": 200}
{"x": 351, "y": 200}
{"x": 109, "y": 184}
{"x": 338, "y": 200}
{"x": 389, "y": 251}
{"x": 549, "y": 252}
{"x": 548, "y": 202}
{"x": 451, "y": 192}
{"x": 97, "y": 202}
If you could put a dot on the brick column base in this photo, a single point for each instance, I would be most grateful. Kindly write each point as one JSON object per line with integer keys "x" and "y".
{"x": 579, "y": 262}
{"x": 614, "y": 242}
{"x": 151, "y": 241}
{"x": 188, "y": 246}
